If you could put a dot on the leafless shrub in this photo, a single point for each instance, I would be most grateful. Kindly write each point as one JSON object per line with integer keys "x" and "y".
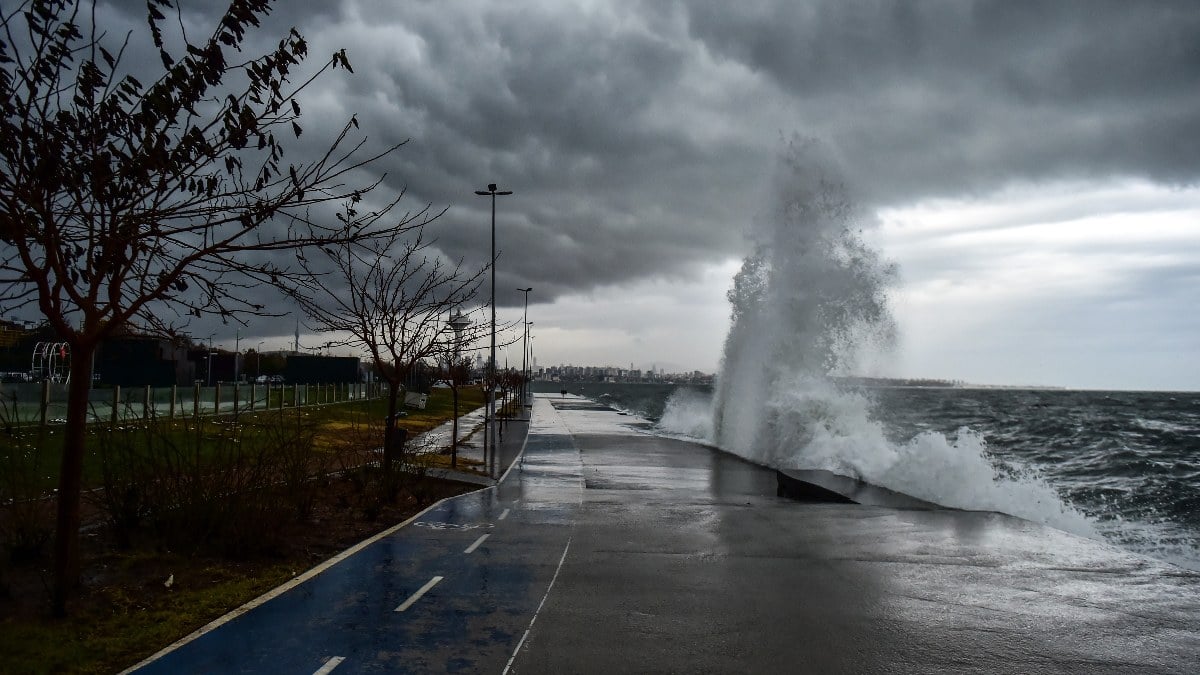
{"x": 26, "y": 521}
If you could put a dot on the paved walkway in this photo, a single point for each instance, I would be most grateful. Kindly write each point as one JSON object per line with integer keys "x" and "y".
{"x": 470, "y": 446}
{"x": 607, "y": 549}
{"x": 438, "y": 438}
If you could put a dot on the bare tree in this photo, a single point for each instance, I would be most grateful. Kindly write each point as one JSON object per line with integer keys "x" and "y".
{"x": 391, "y": 297}
{"x": 158, "y": 202}
{"x": 455, "y": 370}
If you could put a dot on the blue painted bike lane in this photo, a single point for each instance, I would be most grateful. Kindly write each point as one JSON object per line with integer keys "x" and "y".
{"x": 452, "y": 590}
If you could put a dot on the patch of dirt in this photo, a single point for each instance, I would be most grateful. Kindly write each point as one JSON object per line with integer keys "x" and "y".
{"x": 137, "y": 577}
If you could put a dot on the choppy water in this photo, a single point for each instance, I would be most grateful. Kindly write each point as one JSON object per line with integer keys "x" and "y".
{"x": 1126, "y": 464}
{"x": 1129, "y": 461}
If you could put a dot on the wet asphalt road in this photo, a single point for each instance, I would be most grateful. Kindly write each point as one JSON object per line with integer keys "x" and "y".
{"x": 610, "y": 550}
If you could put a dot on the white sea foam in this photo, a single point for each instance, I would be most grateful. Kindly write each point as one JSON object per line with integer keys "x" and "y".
{"x": 819, "y": 426}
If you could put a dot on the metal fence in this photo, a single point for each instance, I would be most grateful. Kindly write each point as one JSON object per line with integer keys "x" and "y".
{"x": 46, "y": 402}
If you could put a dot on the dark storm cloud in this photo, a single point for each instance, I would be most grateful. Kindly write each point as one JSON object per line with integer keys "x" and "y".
{"x": 590, "y": 111}
{"x": 283, "y": 15}
{"x": 639, "y": 136}
{"x": 555, "y": 105}
{"x": 941, "y": 97}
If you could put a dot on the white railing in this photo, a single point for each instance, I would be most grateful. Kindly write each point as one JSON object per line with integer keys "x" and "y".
{"x": 46, "y": 402}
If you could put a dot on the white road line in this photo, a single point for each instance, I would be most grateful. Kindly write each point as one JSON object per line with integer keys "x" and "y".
{"x": 538, "y": 610}
{"x": 480, "y": 540}
{"x": 333, "y": 662}
{"x": 503, "y": 514}
{"x": 417, "y": 596}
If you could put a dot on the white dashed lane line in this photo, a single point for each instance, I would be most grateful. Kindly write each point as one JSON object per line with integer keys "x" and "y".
{"x": 333, "y": 662}
{"x": 480, "y": 540}
{"x": 503, "y": 514}
{"x": 417, "y": 596}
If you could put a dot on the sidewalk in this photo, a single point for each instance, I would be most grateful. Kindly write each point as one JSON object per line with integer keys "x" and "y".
{"x": 470, "y": 446}
{"x": 438, "y": 438}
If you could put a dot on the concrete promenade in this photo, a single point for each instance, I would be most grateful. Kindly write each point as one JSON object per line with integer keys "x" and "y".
{"x": 607, "y": 549}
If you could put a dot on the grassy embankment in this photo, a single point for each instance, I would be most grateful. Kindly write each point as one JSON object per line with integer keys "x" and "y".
{"x": 224, "y": 511}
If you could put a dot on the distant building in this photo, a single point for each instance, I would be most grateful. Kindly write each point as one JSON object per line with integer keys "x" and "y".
{"x": 140, "y": 360}
{"x": 306, "y": 369}
{"x": 11, "y": 333}
{"x": 16, "y": 345}
{"x": 210, "y": 366}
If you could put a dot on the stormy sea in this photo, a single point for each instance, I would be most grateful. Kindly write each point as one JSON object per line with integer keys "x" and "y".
{"x": 811, "y": 306}
{"x": 1123, "y": 467}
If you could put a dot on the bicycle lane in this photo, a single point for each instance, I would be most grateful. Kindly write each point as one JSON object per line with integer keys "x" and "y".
{"x": 453, "y": 589}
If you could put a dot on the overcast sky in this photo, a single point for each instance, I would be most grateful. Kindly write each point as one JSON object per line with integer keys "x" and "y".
{"x": 1033, "y": 166}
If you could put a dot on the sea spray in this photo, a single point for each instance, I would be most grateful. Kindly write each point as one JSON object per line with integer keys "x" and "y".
{"x": 809, "y": 297}
{"x": 806, "y": 304}
{"x": 688, "y": 413}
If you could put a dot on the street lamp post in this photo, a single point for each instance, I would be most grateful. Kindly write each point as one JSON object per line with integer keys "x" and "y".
{"x": 258, "y": 361}
{"x": 524, "y": 349}
{"x": 490, "y": 436}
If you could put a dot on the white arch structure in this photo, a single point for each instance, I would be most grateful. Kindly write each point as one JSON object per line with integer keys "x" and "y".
{"x": 52, "y": 361}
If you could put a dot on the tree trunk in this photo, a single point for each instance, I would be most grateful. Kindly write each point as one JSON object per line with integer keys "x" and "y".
{"x": 389, "y": 431}
{"x": 65, "y": 581}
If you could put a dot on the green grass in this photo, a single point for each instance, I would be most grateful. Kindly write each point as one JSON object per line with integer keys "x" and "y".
{"x": 30, "y": 454}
